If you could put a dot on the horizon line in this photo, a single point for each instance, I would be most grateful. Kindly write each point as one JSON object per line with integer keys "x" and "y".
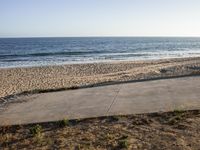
{"x": 173, "y": 36}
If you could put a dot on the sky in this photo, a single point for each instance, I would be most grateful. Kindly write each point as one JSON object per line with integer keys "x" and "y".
{"x": 65, "y": 18}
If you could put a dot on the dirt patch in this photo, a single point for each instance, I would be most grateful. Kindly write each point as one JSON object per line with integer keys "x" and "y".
{"x": 177, "y": 130}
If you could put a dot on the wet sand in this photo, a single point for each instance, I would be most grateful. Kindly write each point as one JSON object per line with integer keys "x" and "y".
{"x": 18, "y": 80}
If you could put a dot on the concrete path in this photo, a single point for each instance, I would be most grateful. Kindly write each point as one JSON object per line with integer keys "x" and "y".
{"x": 130, "y": 98}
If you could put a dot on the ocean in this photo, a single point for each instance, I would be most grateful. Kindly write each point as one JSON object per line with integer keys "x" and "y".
{"x": 24, "y": 52}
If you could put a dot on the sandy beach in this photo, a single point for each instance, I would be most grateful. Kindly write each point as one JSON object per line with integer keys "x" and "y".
{"x": 17, "y": 80}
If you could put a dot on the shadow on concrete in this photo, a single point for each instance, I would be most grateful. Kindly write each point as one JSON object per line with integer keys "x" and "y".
{"x": 9, "y": 98}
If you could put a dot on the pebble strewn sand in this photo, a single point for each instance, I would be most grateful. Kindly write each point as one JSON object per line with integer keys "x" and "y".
{"x": 17, "y": 80}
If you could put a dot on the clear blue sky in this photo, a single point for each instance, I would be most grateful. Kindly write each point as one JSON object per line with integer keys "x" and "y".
{"x": 26, "y": 18}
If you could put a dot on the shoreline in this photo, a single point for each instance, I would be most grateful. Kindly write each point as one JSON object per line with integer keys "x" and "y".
{"x": 17, "y": 80}
{"x": 105, "y": 62}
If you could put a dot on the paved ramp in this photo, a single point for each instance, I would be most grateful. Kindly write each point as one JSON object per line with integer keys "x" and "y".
{"x": 130, "y": 98}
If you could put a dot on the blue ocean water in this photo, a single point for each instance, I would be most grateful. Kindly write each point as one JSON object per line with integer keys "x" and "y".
{"x": 21, "y": 52}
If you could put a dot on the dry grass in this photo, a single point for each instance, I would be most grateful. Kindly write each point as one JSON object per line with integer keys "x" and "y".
{"x": 174, "y": 130}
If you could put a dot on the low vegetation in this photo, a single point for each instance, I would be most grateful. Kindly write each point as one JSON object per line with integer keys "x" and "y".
{"x": 177, "y": 130}
{"x": 36, "y": 130}
{"x": 63, "y": 123}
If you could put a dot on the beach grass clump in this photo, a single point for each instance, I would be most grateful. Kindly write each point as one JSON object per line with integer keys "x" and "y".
{"x": 178, "y": 112}
{"x": 123, "y": 142}
{"x": 177, "y": 116}
{"x": 63, "y": 123}
{"x": 36, "y": 130}
{"x": 174, "y": 120}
